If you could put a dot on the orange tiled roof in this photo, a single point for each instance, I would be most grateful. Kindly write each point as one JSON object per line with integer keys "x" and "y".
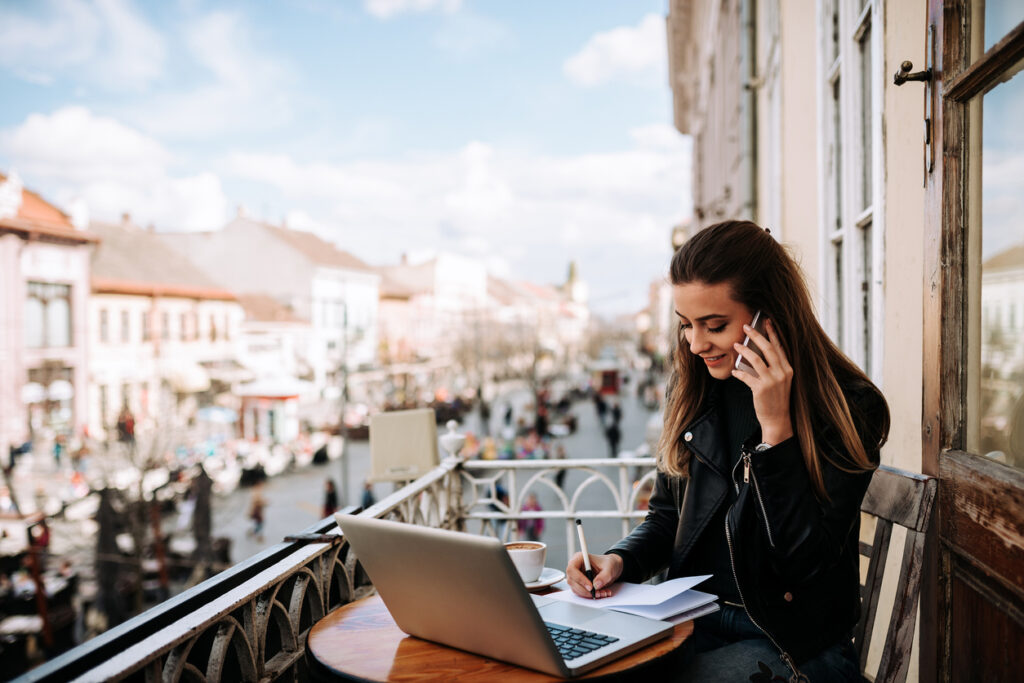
{"x": 264, "y": 308}
{"x": 318, "y": 250}
{"x": 36, "y": 216}
{"x": 106, "y": 285}
{"x": 1011, "y": 258}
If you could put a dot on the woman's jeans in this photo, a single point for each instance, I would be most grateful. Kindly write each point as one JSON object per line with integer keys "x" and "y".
{"x": 726, "y": 646}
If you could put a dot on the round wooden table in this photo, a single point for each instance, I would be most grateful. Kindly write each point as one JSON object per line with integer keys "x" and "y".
{"x": 361, "y": 642}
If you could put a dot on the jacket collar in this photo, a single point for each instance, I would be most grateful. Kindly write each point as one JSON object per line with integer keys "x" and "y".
{"x": 704, "y": 439}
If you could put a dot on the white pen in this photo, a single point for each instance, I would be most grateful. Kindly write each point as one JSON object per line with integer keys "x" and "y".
{"x": 589, "y": 571}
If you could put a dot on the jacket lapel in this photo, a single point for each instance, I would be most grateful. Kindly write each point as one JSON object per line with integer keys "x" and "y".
{"x": 707, "y": 486}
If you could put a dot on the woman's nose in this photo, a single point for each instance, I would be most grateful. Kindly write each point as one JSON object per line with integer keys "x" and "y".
{"x": 698, "y": 342}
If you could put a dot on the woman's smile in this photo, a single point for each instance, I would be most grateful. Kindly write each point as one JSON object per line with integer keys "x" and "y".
{"x": 711, "y": 321}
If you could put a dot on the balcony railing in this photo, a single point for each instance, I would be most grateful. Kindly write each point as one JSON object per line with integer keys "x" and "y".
{"x": 250, "y": 622}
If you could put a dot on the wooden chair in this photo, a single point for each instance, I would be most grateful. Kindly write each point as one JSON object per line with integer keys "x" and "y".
{"x": 906, "y": 499}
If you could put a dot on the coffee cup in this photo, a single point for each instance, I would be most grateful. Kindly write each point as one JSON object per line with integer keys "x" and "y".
{"x": 528, "y": 557}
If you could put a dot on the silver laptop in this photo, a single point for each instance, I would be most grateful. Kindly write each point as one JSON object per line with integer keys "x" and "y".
{"x": 463, "y": 591}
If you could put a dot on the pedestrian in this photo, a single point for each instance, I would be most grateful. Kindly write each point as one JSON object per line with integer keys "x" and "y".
{"x": 508, "y": 414}
{"x": 368, "y": 498}
{"x": 774, "y": 466}
{"x": 614, "y": 435}
{"x": 485, "y": 417}
{"x": 532, "y": 528}
{"x": 330, "y": 498}
{"x": 560, "y": 474}
{"x": 600, "y": 405}
{"x": 540, "y": 425}
{"x": 616, "y": 412}
{"x": 126, "y": 427}
{"x": 59, "y": 444}
{"x": 256, "y": 511}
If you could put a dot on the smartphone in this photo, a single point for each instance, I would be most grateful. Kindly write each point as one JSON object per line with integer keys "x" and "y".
{"x": 741, "y": 363}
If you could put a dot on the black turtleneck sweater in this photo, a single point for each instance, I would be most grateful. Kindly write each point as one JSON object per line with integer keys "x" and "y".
{"x": 710, "y": 554}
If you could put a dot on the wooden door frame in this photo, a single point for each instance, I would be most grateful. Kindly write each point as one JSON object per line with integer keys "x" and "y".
{"x": 958, "y": 545}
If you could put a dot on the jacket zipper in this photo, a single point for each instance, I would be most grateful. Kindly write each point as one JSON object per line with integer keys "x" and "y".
{"x": 747, "y": 476}
{"x": 797, "y": 676}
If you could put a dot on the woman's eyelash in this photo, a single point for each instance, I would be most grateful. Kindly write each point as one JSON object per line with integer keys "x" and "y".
{"x": 712, "y": 330}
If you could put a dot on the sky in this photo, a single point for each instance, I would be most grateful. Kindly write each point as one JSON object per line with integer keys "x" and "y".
{"x": 520, "y": 133}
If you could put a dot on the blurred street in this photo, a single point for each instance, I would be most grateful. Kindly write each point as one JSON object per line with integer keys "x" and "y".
{"x": 295, "y": 499}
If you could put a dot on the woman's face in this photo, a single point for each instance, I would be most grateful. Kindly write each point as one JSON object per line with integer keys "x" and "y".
{"x": 712, "y": 321}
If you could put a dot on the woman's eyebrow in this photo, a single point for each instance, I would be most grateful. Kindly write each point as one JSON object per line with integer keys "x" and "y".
{"x": 703, "y": 318}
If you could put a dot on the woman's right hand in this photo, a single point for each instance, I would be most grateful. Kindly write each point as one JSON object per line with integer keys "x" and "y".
{"x": 607, "y": 568}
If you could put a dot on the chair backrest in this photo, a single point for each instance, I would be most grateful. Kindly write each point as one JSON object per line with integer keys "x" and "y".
{"x": 906, "y": 499}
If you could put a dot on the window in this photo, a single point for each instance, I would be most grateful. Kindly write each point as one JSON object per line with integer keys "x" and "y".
{"x": 851, "y": 231}
{"x": 47, "y": 315}
{"x": 213, "y": 328}
{"x": 104, "y": 326}
{"x": 126, "y": 395}
{"x": 227, "y": 327}
{"x": 102, "y": 407}
{"x": 165, "y": 326}
{"x": 147, "y": 329}
{"x": 183, "y": 327}
{"x": 126, "y": 327}
{"x": 996, "y": 261}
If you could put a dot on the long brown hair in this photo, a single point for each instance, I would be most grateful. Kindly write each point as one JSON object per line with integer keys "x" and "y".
{"x": 764, "y": 277}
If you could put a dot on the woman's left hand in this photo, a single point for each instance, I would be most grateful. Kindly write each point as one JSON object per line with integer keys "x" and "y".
{"x": 771, "y": 387}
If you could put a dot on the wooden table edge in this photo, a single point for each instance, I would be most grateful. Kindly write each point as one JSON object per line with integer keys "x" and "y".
{"x": 344, "y": 642}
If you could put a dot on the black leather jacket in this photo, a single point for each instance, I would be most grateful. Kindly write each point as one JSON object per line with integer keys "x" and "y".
{"x": 795, "y": 558}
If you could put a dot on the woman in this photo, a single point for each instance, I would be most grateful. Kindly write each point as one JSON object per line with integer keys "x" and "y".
{"x": 760, "y": 476}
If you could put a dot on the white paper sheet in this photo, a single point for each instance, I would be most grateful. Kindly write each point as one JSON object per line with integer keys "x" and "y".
{"x": 635, "y": 594}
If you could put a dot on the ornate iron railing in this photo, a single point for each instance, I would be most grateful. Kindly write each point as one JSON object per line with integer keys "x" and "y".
{"x": 250, "y": 622}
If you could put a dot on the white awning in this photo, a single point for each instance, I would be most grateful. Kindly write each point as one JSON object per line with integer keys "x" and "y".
{"x": 33, "y": 392}
{"x": 275, "y": 387}
{"x": 61, "y": 390}
{"x": 185, "y": 377}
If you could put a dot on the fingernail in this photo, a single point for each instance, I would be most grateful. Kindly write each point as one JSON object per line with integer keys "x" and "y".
{"x": 598, "y": 585}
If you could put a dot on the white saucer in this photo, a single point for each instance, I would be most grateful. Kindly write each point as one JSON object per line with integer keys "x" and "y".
{"x": 547, "y": 578}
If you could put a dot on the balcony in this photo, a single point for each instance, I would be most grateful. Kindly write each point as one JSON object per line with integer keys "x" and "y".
{"x": 250, "y": 622}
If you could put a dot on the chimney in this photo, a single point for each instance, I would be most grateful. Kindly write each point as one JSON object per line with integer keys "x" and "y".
{"x": 405, "y": 259}
{"x": 126, "y": 220}
{"x": 241, "y": 211}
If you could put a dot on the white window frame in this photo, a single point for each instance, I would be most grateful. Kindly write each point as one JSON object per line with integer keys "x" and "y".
{"x": 841, "y": 304}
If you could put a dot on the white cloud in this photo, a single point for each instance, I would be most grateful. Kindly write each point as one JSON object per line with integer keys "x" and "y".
{"x": 385, "y": 9}
{"x": 627, "y": 53}
{"x": 103, "y": 42}
{"x": 521, "y": 213}
{"x": 78, "y": 157}
{"x": 245, "y": 88}
{"x": 466, "y": 34}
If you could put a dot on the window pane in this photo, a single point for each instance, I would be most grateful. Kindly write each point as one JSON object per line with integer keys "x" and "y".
{"x": 1000, "y": 17}
{"x": 58, "y": 317}
{"x": 34, "y": 322}
{"x": 837, "y": 156}
{"x": 1001, "y": 401}
{"x": 865, "y": 117}
{"x": 865, "y": 296}
{"x": 837, "y": 265}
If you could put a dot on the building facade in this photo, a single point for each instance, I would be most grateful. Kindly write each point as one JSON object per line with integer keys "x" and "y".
{"x": 332, "y": 289}
{"x": 44, "y": 289}
{"x": 878, "y": 139}
{"x": 160, "y": 332}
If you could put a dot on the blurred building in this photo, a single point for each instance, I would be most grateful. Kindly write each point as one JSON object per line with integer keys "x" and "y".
{"x": 44, "y": 289}
{"x": 163, "y": 337}
{"x": 335, "y": 291}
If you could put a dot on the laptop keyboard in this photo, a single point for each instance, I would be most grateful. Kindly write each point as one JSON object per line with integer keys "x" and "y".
{"x": 575, "y": 642}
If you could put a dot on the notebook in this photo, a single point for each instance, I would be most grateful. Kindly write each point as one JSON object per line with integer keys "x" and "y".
{"x": 462, "y": 590}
